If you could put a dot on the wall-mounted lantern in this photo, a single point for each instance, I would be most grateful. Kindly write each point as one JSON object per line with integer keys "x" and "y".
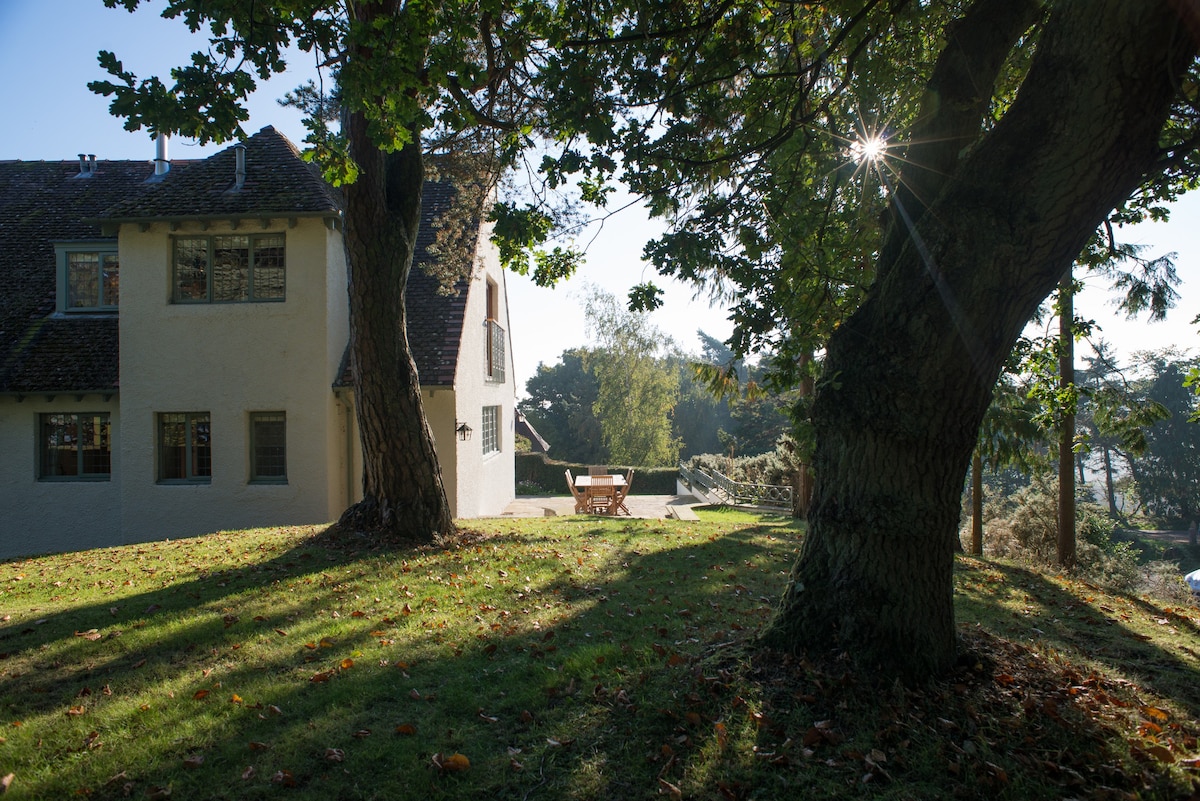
{"x": 464, "y": 432}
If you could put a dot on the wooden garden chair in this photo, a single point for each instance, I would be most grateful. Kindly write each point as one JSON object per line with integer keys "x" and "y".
{"x": 580, "y": 498}
{"x": 601, "y": 495}
{"x": 620, "y": 493}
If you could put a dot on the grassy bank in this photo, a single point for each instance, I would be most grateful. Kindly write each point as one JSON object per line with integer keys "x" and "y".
{"x": 560, "y": 658}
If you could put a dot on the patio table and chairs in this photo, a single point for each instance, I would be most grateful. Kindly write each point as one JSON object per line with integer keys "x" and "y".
{"x": 600, "y": 493}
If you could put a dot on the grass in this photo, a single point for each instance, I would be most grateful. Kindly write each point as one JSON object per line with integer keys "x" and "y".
{"x": 560, "y": 658}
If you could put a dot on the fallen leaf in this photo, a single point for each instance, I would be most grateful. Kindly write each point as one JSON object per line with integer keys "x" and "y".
{"x": 722, "y": 735}
{"x": 194, "y": 761}
{"x": 6, "y": 782}
{"x": 200, "y": 695}
{"x": 335, "y": 755}
{"x": 357, "y": 613}
{"x": 281, "y": 632}
{"x": 248, "y": 773}
{"x": 406, "y": 729}
{"x": 284, "y": 777}
{"x": 1161, "y": 753}
{"x": 455, "y": 763}
{"x": 1154, "y": 713}
{"x": 347, "y": 664}
{"x": 324, "y": 675}
{"x": 668, "y": 789}
{"x": 255, "y": 745}
{"x": 362, "y": 734}
{"x": 90, "y": 634}
{"x": 155, "y": 791}
{"x": 236, "y": 699}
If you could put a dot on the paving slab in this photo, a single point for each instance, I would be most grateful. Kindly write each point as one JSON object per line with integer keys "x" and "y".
{"x": 645, "y": 507}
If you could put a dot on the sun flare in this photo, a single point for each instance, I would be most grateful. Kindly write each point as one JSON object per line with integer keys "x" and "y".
{"x": 869, "y": 149}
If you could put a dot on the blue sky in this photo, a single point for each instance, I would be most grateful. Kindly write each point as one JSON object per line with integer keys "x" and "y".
{"x": 48, "y": 54}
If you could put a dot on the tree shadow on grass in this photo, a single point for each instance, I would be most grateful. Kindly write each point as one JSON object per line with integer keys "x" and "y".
{"x": 1083, "y": 625}
{"x": 536, "y": 673}
{"x": 621, "y": 671}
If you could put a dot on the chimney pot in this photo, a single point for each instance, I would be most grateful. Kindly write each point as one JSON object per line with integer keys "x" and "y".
{"x": 239, "y": 151}
{"x": 162, "y": 164}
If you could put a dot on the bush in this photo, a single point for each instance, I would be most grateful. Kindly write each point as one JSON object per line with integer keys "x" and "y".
{"x": 765, "y": 468}
{"x": 1025, "y": 528}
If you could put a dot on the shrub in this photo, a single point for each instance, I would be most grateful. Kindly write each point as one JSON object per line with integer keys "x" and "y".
{"x": 1027, "y": 530}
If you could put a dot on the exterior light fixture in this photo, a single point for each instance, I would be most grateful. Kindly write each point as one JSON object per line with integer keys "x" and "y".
{"x": 464, "y": 432}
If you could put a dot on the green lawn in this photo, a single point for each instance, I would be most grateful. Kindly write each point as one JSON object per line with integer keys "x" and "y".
{"x": 560, "y": 658}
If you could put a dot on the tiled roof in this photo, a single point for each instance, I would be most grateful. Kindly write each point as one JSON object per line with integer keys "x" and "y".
{"x": 42, "y": 203}
{"x": 435, "y": 320}
{"x": 277, "y": 182}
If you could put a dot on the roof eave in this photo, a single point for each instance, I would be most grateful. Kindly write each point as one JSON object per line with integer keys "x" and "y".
{"x": 109, "y": 225}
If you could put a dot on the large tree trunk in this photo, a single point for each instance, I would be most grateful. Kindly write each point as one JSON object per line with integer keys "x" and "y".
{"x": 403, "y": 494}
{"x": 908, "y": 377}
{"x": 977, "y": 502}
{"x": 1065, "y": 550}
{"x": 802, "y": 481}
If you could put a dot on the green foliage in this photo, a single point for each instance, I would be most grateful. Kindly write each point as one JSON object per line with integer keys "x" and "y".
{"x": 1168, "y": 473}
{"x": 560, "y": 404}
{"x": 635, "y": 396}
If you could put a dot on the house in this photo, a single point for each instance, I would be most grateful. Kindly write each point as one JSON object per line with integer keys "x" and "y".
{"x": 173, "y": 351}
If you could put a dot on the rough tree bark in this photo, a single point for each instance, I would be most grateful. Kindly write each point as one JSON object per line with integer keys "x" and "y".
{"x": 908, "y": 377}
{"x": 1065, "y": 546}
{"x": 403, "y": 494}
{"x": 977, "y": 502}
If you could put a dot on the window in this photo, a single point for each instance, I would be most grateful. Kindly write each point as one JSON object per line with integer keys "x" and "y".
{"x": 491, "y": 429}
{"x": 494, "y": 368}
{"x": 268, "y": 448}
{"x": 495, "y": 352}
{"x": 76, "y": 446}
{"x": 228, "y": 269}
{"x": 89, "y": 276}
{"x": 184, "y": 447}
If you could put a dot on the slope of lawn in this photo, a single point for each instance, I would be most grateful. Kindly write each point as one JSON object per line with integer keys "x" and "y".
{"x": 561, "y": 658}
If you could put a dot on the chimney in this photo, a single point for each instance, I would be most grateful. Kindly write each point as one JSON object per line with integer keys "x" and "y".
{"x": 83, "y": 166}
{"x": 162, "y": 165}
{"x": 239, "y": 151}
{"x": 92, "y": 163}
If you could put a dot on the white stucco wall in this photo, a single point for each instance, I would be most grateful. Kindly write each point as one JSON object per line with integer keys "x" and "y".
{"x": 230, "y": 360}
{"x": 50, "y": 516}
{"x": 486, "y": 483}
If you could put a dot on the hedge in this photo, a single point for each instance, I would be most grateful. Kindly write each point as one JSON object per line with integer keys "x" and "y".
{"x": 547, "y": 474}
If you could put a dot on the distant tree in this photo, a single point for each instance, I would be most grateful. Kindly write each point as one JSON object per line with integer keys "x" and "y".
{"x": 637, "y": 391}
{"x": 560, "y": 405}
{"x": 699, "y": 416}
{"x": 1168, "y": 474}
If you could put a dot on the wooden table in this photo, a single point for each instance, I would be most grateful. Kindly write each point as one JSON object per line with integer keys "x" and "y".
{"x": 603, "y": 495}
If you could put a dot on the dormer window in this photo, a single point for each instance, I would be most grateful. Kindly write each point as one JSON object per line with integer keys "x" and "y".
{"x": 89, "y": 276}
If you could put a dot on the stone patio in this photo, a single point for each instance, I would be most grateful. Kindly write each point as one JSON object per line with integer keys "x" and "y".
{"x": 648, "y": 507}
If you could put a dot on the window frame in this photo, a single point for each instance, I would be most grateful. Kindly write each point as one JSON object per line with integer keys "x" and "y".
{"x": 256, "y": 476}
{"x": 191, "y": 422}
{"x": 252, "y": 268}
{"x": 81, "y": 474}
{"x": 489, "y": 434}
{"x": 102, "y": 248}
{"x": 494, "y": 342}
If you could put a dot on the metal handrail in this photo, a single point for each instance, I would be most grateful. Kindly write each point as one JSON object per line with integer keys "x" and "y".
{"x": 737, "y": 493}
